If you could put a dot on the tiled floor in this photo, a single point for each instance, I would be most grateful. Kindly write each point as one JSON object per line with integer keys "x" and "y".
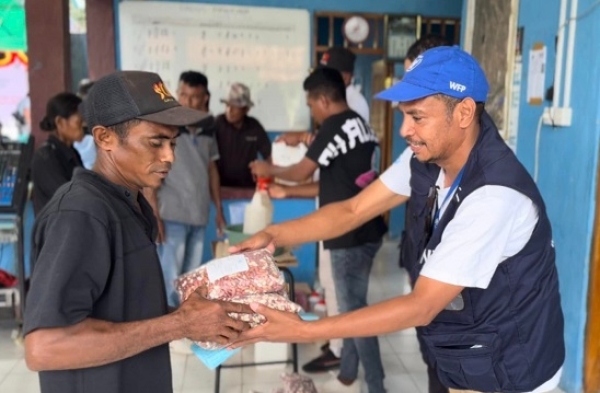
{"x": 405, "y": 371}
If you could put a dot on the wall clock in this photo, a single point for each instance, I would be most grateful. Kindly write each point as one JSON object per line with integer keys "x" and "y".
{"x": 356, "y": 29}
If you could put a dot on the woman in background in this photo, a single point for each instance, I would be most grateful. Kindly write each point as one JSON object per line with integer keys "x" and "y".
{"x": 54, "y": 162}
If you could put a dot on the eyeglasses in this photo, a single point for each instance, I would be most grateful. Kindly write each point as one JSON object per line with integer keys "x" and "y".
{"x": 430, "y": 205}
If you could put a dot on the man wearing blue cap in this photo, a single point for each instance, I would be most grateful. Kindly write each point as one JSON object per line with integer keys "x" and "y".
{"x": 486, "y": 298}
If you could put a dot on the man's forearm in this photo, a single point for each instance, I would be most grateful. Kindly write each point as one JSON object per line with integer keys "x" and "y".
{"x": 93, "y": 342}
{"x": 337, "y": 218}
{"x": 310, "y": 190}
{"x": 287, "y": 173}
{"x": 418, "y": 308}
{"x": 328, "y": 222}
{"x": 386, "y": 317}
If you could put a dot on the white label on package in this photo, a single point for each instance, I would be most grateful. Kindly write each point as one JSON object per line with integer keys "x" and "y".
{"x": 226, "y": 267}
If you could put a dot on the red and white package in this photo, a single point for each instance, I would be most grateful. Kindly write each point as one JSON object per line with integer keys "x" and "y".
{"x": 251, "y": 277}
{"x": 277, "y": 301}
{"x": 234, "y": 276}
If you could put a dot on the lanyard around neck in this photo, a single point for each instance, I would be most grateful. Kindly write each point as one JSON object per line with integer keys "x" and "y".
{"x": 453, "y": 187}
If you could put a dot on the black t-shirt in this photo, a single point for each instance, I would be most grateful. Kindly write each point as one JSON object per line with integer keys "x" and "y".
{"x": 238, "y": 148}
{"x": 347, "y": 152}
{"x": 52, "y": 166}
{"x": 95, "y": 257}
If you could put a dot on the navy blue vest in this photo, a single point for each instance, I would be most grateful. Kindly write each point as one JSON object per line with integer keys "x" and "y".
{"x": 508, "y": 337}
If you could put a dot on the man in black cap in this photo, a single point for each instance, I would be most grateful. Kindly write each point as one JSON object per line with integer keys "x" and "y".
{"x": 182, "y": 203}
{"x": 342, "y": 59}
{"x": 96, "y": 317}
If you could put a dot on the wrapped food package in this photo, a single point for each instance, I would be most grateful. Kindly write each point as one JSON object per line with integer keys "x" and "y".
{"x": 234, "y": 276}
{"x": 251, "y": 277}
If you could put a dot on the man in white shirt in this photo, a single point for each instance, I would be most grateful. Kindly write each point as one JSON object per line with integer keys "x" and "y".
{"x": 486, "y": 297}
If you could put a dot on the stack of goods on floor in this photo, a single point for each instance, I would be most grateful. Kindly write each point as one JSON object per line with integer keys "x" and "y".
{"x": 251, "y": 277}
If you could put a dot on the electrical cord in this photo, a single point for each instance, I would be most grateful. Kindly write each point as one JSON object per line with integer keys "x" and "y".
{"x": 536, "y": 163}
{"x": 538, "y": 133}
{"x": 582, "y": 15}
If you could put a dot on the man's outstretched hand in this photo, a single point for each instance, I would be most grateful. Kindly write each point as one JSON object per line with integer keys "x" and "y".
{"x": 260, "y": 240}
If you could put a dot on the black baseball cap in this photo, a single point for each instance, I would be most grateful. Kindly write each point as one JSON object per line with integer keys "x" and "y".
{"x": 127, "y": 95}
{"x": 339, "y": 58}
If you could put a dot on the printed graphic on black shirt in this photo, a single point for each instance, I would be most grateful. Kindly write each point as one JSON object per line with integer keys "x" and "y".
{"x": 348, "y": 155}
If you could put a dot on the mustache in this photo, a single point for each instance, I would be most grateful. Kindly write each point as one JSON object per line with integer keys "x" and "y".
{"x": 412, "y": 141}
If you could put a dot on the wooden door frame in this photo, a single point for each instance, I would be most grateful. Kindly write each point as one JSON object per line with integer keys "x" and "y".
{"x": 592, "y": 339}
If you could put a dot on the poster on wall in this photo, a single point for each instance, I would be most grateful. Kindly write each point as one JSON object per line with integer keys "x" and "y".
{"x": 514, "y": 103}
{"x": 536, "y": 74}
{"x": 14, "y": 101}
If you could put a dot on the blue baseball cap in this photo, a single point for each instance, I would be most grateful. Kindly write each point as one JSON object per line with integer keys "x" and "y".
{"x": 444, "y": 70}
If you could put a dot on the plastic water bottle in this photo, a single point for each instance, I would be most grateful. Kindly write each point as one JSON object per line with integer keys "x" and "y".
{"x": 313, "y": 299}
{"x": 259, "y": 212}
{"x": 320, "y": 308}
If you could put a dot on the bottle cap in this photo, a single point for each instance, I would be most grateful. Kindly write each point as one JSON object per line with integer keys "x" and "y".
{"x": 262, "y": 183}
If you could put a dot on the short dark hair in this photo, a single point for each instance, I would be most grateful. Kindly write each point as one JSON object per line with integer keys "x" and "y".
{"x": 122, "y": 129}
{"x": 424, "y": 43}
{"x": 326, "y": 81}
{"x": 194, "y": 79}
{"x": 61, "y": 105}
{"x": 451, "y": 103}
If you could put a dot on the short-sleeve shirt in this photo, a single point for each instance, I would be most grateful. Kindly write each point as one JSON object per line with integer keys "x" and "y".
{"x": 184, "y": 196}
{"x": 491, "y": 224}
{"x": 52, "y": 166}
{"x": 238, "y": 148}
{"x": 94, "y": 257}
{"x": 347, "y": 152}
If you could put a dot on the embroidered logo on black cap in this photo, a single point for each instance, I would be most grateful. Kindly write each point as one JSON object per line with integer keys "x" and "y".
{"x": 162, "y": 91}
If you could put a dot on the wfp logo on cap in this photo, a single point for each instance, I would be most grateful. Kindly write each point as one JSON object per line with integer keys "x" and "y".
{"x": 457, "y": 87}
{"x": 415, "y": 63}
{"x": 161, "y": 90}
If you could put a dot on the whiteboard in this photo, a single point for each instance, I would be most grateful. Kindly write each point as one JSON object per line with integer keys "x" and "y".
{"x": 268, "y": 49}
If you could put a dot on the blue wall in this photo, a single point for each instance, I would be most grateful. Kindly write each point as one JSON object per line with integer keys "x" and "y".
{"x": 568, "y": 164}
{"x": 450, "y": 8}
